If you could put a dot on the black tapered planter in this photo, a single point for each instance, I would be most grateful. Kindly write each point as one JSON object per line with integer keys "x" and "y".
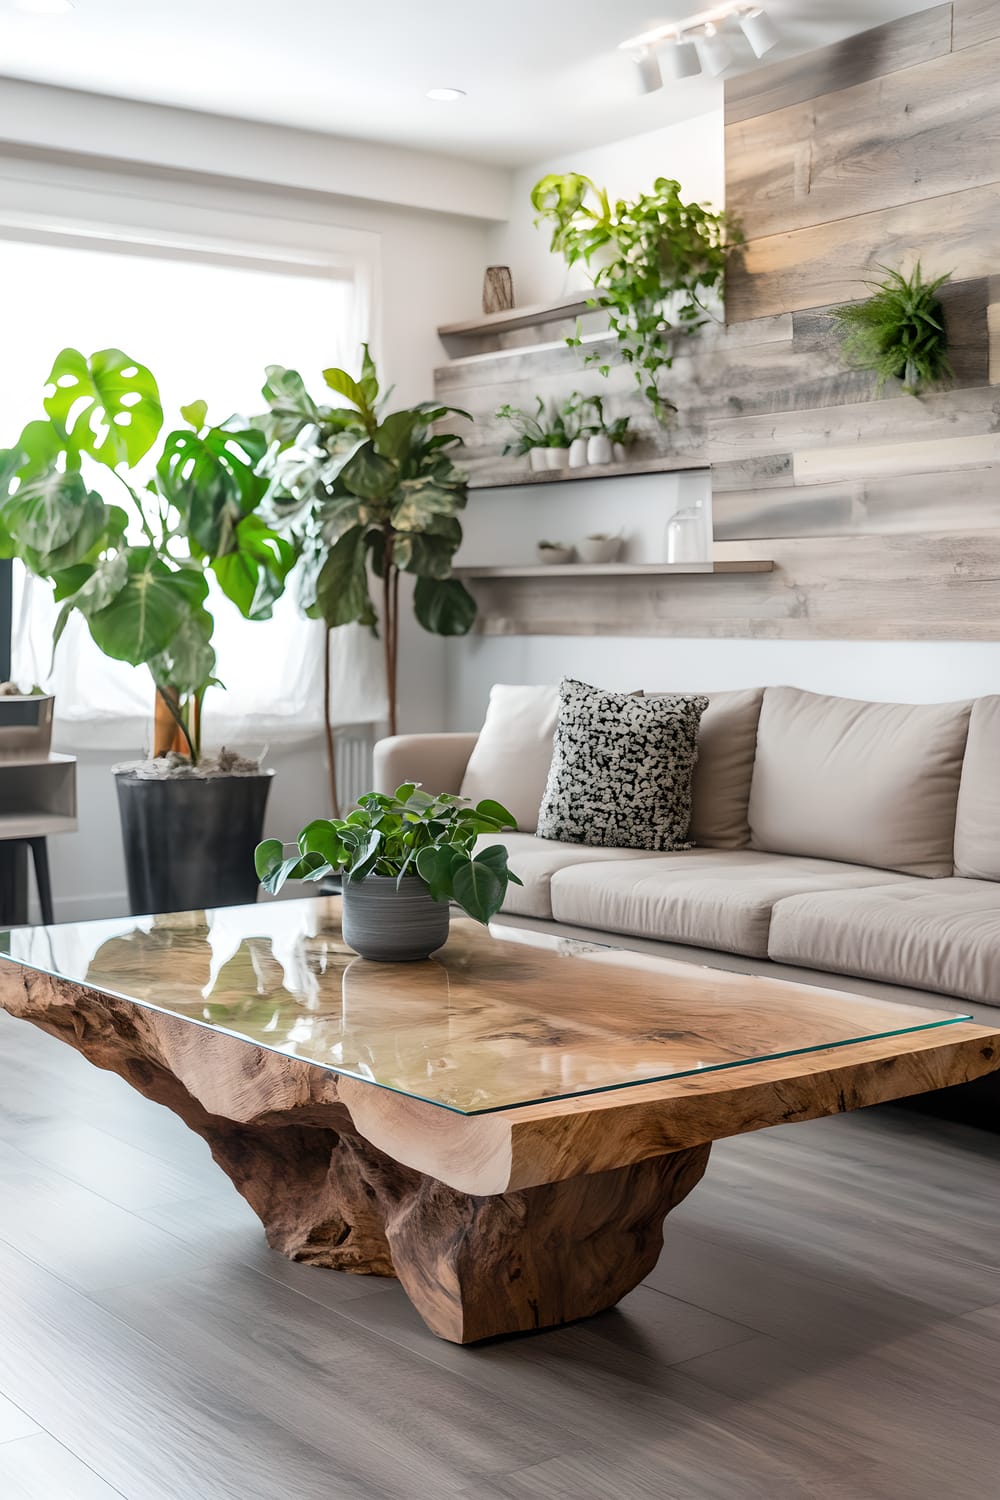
{"x": 189, "y": 843}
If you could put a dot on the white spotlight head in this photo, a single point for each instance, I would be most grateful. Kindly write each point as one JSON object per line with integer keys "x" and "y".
{"x": 45, "y": 7}
{"x": 759, "y": 30}
{"x": 648, "y": 68}
{"x": 714, "y": 51}
{"x": 682, "y": 58}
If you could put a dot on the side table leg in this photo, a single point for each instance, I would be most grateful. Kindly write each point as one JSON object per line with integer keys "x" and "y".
{"x": 40, "y": 855}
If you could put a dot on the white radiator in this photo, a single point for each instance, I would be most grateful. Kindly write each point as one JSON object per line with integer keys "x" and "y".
{"x": 353, "y": 745}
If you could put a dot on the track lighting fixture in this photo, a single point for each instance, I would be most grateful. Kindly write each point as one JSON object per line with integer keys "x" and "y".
{"x": 713, "y": 50}
{"x": 681, "y": 57}
{"x": 648, "y": 68}
{"x": 759, "y": 30}
{"x": 699, "y": 42}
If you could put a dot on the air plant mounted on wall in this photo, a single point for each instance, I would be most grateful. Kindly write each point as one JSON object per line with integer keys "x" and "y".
{"x": 899, "y": 332}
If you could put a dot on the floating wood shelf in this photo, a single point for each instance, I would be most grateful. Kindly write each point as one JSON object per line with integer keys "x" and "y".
{"x": 667, "y": 463}
{"x": 575, "y": 305}
{"x": 614, "y": 569}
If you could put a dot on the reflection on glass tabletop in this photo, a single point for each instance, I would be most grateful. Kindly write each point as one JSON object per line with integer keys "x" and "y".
{"x": 496, "y": 1019}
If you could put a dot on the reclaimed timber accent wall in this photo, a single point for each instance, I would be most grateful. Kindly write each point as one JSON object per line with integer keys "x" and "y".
{"x": 880, "y": 510}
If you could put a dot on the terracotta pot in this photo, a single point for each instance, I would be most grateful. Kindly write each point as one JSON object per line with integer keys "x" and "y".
{"x": 390, "y": 925}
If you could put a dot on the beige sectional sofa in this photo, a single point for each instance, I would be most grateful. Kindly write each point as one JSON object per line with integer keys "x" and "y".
{"x": 831, "y": 837}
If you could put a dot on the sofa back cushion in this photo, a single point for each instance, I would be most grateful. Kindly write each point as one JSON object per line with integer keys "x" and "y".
{"x": 727, "y": 739}
{"x": 977, "y": 826}
{"x": 865, "y": 783}
{"x": 514, "y": 751}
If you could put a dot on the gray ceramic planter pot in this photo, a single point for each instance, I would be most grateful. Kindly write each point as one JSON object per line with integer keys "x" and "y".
{"x": 393, "y": 926}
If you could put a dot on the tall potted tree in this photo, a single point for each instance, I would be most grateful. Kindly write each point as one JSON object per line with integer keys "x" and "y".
{"x": 366, "y": 497}
{"x": 138, "y": 573}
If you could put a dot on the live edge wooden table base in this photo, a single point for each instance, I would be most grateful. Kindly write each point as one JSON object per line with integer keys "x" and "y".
{"x": 504, "y": 1127}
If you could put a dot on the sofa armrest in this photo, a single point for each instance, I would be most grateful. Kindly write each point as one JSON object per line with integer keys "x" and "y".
{"x": 437, "y": 761}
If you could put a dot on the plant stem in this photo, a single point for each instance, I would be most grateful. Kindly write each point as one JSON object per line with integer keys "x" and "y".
{"x": 174, "y": 710}
{"x": 387, "y": 628}
{"x": 139, "y": 508}
{"x": 331, "y": 759}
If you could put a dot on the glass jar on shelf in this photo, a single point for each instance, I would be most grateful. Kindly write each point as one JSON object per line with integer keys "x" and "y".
{"x": 686, "y": 539}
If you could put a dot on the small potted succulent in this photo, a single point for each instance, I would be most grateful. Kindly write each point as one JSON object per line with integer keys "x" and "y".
{"x": 403, "y": 859}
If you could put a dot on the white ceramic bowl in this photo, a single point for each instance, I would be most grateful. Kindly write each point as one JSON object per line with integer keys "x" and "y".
{"x": 594, "y": 549}
{"x": 554, "y": 554}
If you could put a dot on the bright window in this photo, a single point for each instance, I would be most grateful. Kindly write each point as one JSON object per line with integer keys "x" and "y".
{"x": 206, "y": 323}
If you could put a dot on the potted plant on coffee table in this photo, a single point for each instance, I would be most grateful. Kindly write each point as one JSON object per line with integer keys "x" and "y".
{"x": 403, "y": 858}
{"x": 138, "y": 573}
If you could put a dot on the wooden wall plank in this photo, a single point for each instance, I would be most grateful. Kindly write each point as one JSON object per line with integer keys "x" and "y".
{"x": 936, "y": 586}
{"x": 974, "y": 21}
{"x": 829, "y": 263}
{"x": 915, "y": 135}
{"x": 861, "y": 461}
{"x": 879, "y": 505}
{"x": 870, "y": 54}
{"x": 954, "y": 414}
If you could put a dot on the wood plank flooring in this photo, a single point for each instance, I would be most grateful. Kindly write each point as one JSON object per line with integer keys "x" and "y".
{"x": 824, "y": 1324}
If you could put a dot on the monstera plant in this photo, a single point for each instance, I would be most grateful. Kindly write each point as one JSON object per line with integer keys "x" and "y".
{"x": 129, "y": 537}
{"x": 132, "y": 554}
{"x": 367, "y": 496}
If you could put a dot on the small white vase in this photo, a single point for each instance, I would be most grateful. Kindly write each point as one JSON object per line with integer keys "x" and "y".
{"x": 619, "y": 452}
{"x": 556, "y": 458}
{"x": 578, "y": 453}
{"x": 599, "y": 450}
{"x": 538, "y": 458}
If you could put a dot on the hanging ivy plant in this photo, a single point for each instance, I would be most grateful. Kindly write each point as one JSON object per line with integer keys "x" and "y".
{"x": 899, "y": 332}
{"x": 659, "y": 262}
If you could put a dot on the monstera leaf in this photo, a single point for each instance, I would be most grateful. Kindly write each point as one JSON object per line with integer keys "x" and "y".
{"x": 253, "y": 574}
{"x": 212, "y": 479}
{"x": 107, "y": 405}
{"x": 46, "y": 513}
{"x": 147, "y": 612}
{"x": 188, "y": 663}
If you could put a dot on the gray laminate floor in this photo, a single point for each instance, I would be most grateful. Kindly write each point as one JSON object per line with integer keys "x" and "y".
{"x": 824, "y": 1323}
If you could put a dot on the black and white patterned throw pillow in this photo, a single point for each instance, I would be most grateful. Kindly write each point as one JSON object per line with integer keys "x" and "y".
{"x": 621, "y": 769}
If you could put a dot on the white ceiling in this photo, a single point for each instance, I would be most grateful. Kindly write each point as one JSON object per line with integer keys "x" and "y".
{"x": 541, "y": 76}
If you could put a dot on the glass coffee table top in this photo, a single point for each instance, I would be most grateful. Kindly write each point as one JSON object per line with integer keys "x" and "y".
{"x": 495, "y": 1020}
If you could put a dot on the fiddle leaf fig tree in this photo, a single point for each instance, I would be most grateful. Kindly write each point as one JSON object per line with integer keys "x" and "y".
{"x": 367, "y": 496}
{"x": 137, "y": 572}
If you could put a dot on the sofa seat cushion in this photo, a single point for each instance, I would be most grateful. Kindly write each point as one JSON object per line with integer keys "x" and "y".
{"x": 536, "y": 860}
{"x": 942, "y": 936}
{"x": 711, "y": 898}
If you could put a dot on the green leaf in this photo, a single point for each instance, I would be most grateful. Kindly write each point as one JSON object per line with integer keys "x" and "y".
{"x": 444, "y": 606}
{"x": 47, "y": 512}
{"x": 345, "y": 385}
{"x": 435, "y": 864}
{"x": 478, "y": 889}
{"x": 213, "y": 481}
{"x": 105, "y": 583}
{"x": 253, "y": 573}
{"x": 496, "y": 810}
{"x": 427, "y": 555}
{"x": 341, "y": 594}
{"x": 394, "y": 436}
{"x": 366, "y": 858}
{"x": 188, "y": 663}
{"x": 267, "y": 856}
{"x": 107, "y": 405}
{"x": 143, "y": 618}
{"x": 405, "y": 792}
{"x": 370, "y": 475}
{"x": 369, "y": 377}
{"x": 321, "y": 837}
{"x": 195, "y": 413}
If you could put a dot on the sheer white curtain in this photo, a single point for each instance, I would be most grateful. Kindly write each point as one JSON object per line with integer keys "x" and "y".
{"x": 206, "y": 322}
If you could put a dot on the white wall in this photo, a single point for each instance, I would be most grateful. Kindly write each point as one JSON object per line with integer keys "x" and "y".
{"x": 691, "y": 152}
{"x": 901, "y": 671}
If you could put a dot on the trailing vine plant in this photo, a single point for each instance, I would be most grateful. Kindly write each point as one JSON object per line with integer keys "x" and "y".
{"x": 899, "y": 332}
{"x": 659, "y": 264}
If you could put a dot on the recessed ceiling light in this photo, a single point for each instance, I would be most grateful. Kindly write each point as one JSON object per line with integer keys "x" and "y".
{"x": 45, "y": 7}
{"x": 446, "y": 96}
